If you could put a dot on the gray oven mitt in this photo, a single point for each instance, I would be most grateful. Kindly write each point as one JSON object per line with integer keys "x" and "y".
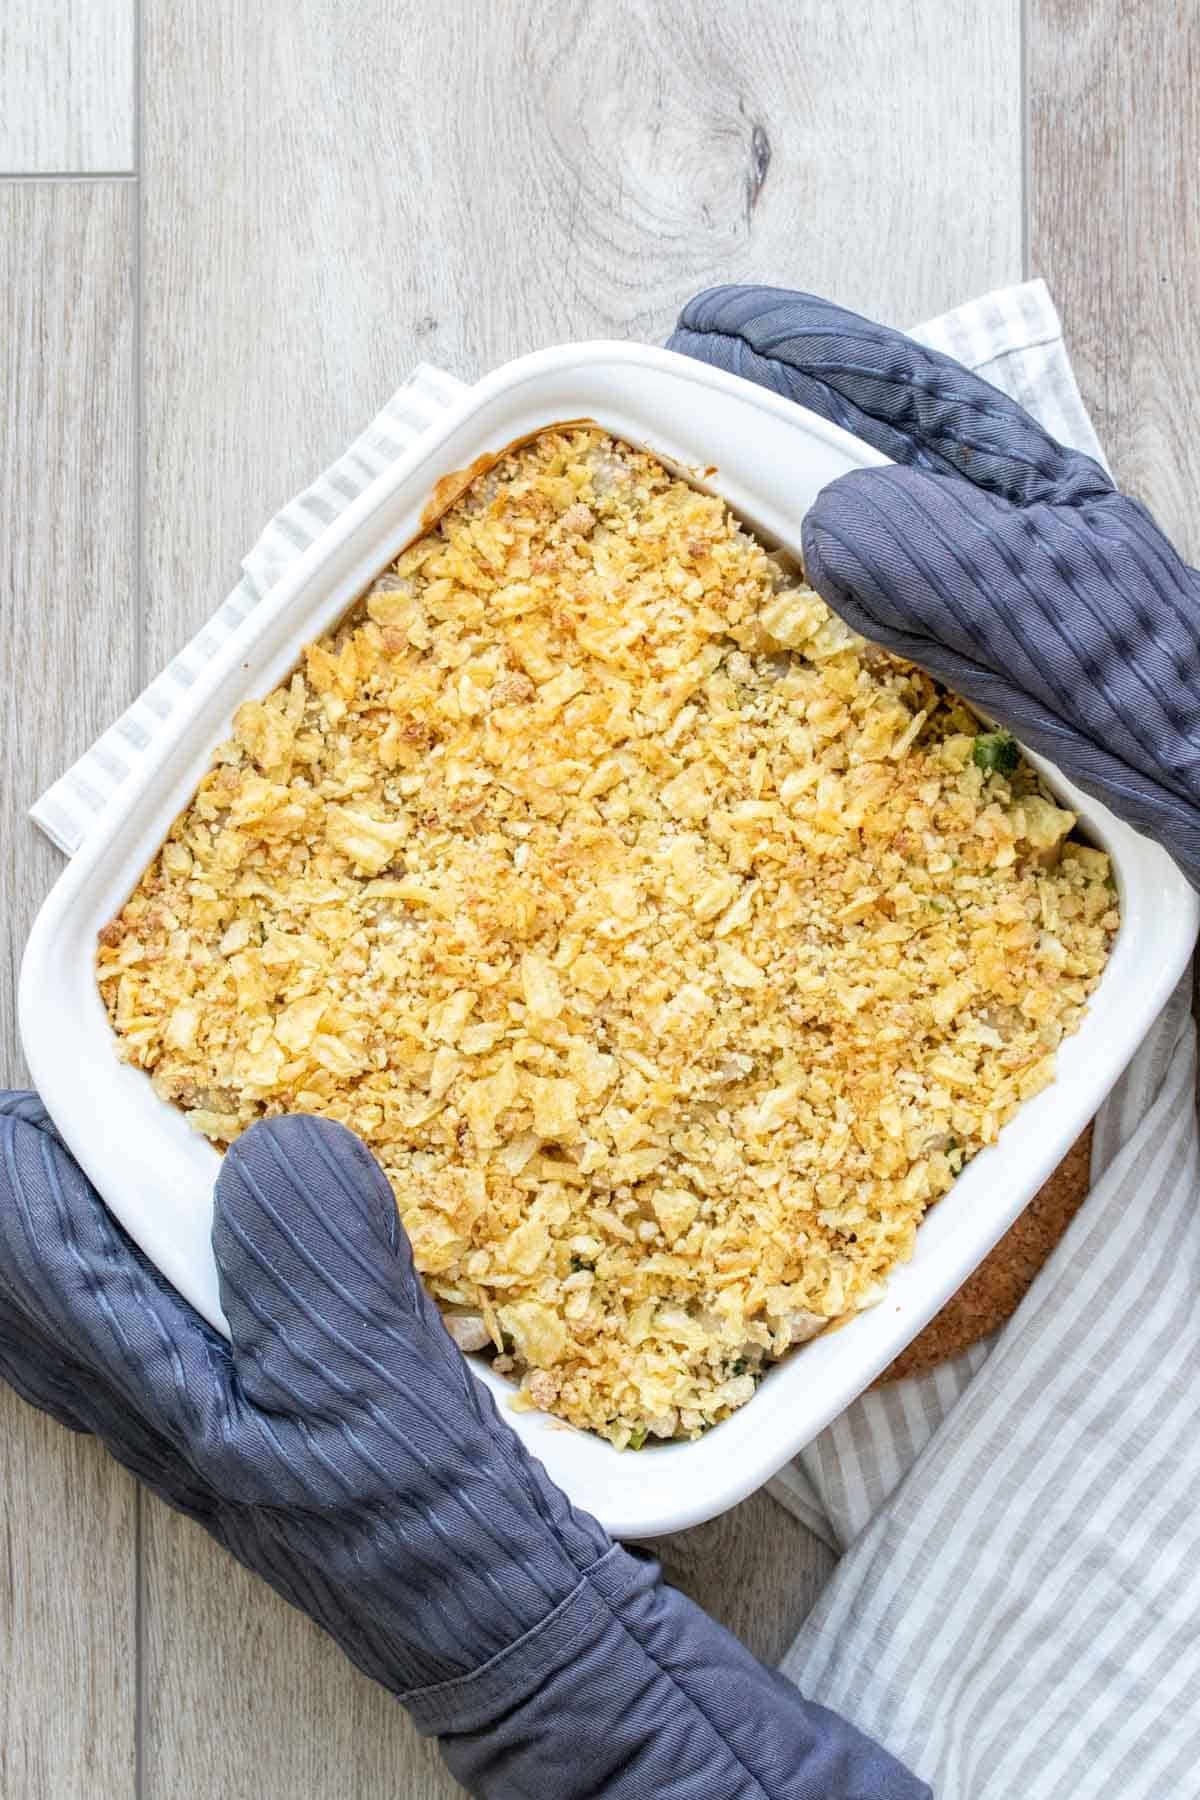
{"x": 1002, "y": 562}
{"x": 341, "y": 1448}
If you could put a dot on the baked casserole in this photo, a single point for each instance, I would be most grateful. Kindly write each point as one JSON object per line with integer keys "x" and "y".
{"x": 670, "y": 946}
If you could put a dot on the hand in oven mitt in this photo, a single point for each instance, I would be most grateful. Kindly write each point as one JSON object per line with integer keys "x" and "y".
{"x": 341, "y": 1448}
{"x": 1003, "y": 563}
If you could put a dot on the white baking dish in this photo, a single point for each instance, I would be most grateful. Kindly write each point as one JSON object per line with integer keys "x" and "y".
{"x": 768, "y": 458}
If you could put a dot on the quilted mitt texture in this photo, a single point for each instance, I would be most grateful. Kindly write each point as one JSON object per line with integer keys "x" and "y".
{"x": 341, "y": 1448}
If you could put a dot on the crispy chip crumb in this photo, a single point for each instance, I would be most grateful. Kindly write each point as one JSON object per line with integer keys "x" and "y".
{"x": 666, "y": 942}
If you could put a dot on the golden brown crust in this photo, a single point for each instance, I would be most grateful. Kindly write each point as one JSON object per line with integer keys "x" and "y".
{"x": 662, "y": 938}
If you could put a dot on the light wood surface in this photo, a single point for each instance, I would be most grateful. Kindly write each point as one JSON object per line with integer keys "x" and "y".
{"x": 246, "y": 1700}
{"x": 341, "y": 190}
{"x": 66, "y": 86}
{"x": 1114, "y": 226}
{"x": 327, "y": 192}
{"x": 67, "y": 1514}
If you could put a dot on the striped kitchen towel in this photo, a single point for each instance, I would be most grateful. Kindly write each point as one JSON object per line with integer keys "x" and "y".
{"x": 1015, "y": 1610}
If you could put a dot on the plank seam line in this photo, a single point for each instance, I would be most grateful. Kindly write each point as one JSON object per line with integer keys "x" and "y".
{"x": 139, "y": 677}
{"x": 1026, "y": 132}
{"x": 27, "y": 177}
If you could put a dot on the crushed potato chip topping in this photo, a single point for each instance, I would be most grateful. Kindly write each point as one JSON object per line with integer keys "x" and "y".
{"x": 667, "y": 943}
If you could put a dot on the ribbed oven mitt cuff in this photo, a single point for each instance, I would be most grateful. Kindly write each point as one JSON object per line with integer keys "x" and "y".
{"x": 340, "y": 1447}
{"x": 1001, "y": 561}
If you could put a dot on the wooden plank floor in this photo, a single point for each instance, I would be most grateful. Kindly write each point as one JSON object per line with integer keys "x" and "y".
{"x": 67, "y": 87}
{"x": 68, "y": 474}
{"x": 1114, "y": 226}
{"x": 324, "y": 193}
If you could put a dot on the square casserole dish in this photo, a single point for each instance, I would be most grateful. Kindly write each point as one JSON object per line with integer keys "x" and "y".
{"x": 768, "y": 458}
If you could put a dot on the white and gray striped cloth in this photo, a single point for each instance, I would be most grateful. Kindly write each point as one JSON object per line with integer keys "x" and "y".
{"x": 1016, "y": 1611}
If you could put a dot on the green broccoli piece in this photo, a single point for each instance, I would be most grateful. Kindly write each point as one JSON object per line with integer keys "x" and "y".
{"x": 996, "y": 753}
